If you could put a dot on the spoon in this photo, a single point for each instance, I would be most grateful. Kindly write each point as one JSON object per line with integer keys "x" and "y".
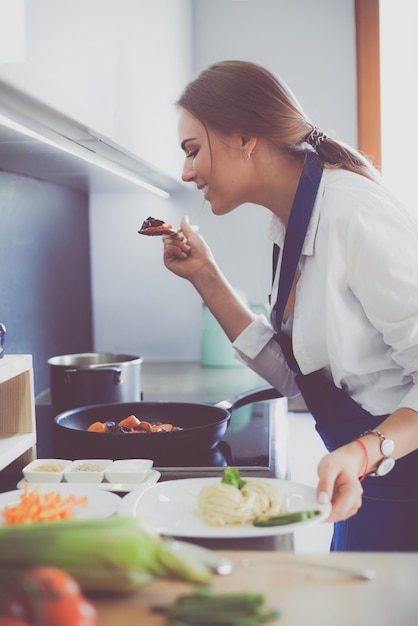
{"x": 351, "y": 572}
{"x": 223, "y": 566}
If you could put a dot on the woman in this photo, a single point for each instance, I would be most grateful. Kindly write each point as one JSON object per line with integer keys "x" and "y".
{"x": 344, "y": 323}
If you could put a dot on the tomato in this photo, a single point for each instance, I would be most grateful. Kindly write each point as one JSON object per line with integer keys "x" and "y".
{"x": 51, "y": 597}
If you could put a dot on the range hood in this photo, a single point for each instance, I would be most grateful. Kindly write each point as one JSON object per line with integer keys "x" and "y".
{"x": 40, "y": 141}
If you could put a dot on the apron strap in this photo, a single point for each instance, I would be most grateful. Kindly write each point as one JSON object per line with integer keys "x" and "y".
{"x": 297, "y": 227}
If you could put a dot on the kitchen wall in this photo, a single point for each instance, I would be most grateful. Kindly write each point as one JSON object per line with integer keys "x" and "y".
{"x": 45, "y": 289}
{"x": 139, "y": 305}
{"x": 115, "y": 67}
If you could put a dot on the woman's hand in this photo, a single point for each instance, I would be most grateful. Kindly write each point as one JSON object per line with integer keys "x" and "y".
{"x": 339, "y": 482}
{"x": 186, "y": 254}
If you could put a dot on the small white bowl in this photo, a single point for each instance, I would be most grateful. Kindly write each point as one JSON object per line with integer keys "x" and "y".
{"x": 45, "y": 470}
{"x": 86, "y": 470}
{"x": 128, "y": 470}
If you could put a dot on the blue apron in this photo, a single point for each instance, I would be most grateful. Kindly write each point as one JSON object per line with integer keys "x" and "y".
{"x": 388, "y": 518}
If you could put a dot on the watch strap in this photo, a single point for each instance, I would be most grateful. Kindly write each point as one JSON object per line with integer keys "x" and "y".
{"x": 386, "y": 447}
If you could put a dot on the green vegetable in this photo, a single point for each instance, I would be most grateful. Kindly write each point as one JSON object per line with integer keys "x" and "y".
{"x": 113, "y": 554}
{"x": 209, "y": 608}
{"x": 286, "y": 518}
{"x": 231, "y": 476}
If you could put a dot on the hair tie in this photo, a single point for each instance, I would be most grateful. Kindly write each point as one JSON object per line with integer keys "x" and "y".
{"x": 316, "y": 137}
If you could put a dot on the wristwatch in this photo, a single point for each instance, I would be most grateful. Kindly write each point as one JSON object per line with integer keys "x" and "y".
{"x": 387, "y": 447}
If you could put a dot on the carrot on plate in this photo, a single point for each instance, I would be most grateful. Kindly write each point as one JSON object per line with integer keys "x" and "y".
{"x": 38, "y": 507}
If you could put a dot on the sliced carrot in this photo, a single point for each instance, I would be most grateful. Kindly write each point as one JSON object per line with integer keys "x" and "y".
{"x": 130, "y": 422}
{"x": 97, "y": 427}
{"x": 38, "y": 507}
{"x": 166, "y": 428}
{"x": 143, "y": 426}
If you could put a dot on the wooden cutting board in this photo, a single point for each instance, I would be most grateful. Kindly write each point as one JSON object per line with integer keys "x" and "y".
{"x": 305, "y": 593}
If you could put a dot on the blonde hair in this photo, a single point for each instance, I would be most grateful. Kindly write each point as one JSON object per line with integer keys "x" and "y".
{"x": 242, "y": 97}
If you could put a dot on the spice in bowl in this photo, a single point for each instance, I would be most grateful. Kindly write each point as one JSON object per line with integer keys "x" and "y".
{"x": 87, "y": 470}
{"x": 45, "y": 470}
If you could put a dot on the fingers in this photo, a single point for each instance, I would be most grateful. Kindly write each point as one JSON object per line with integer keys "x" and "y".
{"x": 346, "y": 500}
{"x": 176, "y": 246}
{"x": 340, "y": 486}
{"x": 186, "y": 228}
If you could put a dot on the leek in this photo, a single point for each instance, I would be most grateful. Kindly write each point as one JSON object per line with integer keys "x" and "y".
{"x": 114, "y": 554}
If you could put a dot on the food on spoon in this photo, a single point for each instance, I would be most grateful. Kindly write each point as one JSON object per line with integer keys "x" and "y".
{"x": 233, "y": 501}
{"x": 132, "y": 424}
{"x": 154, "y": 227}
{"x": 114, "y": 554}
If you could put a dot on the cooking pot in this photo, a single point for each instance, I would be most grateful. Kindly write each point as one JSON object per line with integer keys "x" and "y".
{"x": 93, "y": 378}
{"x": 203, "y": 426}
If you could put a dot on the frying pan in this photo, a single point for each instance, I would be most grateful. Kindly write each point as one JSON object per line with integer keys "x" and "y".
{"x": 203, "y": 426}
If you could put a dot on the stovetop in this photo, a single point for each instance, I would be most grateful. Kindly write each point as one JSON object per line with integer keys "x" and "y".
{"x": 255, "y": 442}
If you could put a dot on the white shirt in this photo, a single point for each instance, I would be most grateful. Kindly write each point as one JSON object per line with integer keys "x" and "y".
{"x": 356, "y": 307}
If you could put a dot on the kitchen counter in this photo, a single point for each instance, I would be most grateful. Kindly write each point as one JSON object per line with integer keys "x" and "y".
{"x": 265, "y": 448}
{"x": 296, "y": 584}
{"x": 194, "y": 382}
{"x": 189, "y": 381}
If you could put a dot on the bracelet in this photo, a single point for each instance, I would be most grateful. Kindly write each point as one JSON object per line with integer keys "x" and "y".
{"x": 366, "y": 456}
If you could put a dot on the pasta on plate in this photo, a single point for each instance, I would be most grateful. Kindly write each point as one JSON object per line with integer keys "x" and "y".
{"x": 222, "y": 504}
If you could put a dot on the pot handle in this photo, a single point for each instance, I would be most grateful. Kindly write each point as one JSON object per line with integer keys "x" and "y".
{"x": 117, "y": 373}
{"x": 247, "y": 397}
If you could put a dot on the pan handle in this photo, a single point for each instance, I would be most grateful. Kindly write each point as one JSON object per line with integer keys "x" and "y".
{"x": 88, "y": 371}
{"x": 247, "y": 397}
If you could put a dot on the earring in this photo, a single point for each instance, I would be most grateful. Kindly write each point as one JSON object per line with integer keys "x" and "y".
{"x": 248, "y": 155}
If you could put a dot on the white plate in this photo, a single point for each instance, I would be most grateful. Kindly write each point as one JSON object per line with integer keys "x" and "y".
{"x": 99, "y": 503}
{"x": 170, "y": 509}
{"x": 151, "y": 478}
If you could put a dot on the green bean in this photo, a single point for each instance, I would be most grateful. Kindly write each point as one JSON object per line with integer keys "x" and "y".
{"x": 286, "y": 518}
{"x": 208, "y": 608}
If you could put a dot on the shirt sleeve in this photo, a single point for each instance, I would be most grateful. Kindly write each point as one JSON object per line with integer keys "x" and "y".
{"x": 383, "y": 275}
{"x": 257, "y": 348}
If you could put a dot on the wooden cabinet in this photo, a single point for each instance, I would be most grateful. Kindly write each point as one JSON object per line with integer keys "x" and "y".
{"x": 17, "y": 410}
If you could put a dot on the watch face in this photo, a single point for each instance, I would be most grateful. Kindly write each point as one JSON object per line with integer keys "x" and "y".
{"x": 387, "y": 447}
{"x": 384, "y": 467}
